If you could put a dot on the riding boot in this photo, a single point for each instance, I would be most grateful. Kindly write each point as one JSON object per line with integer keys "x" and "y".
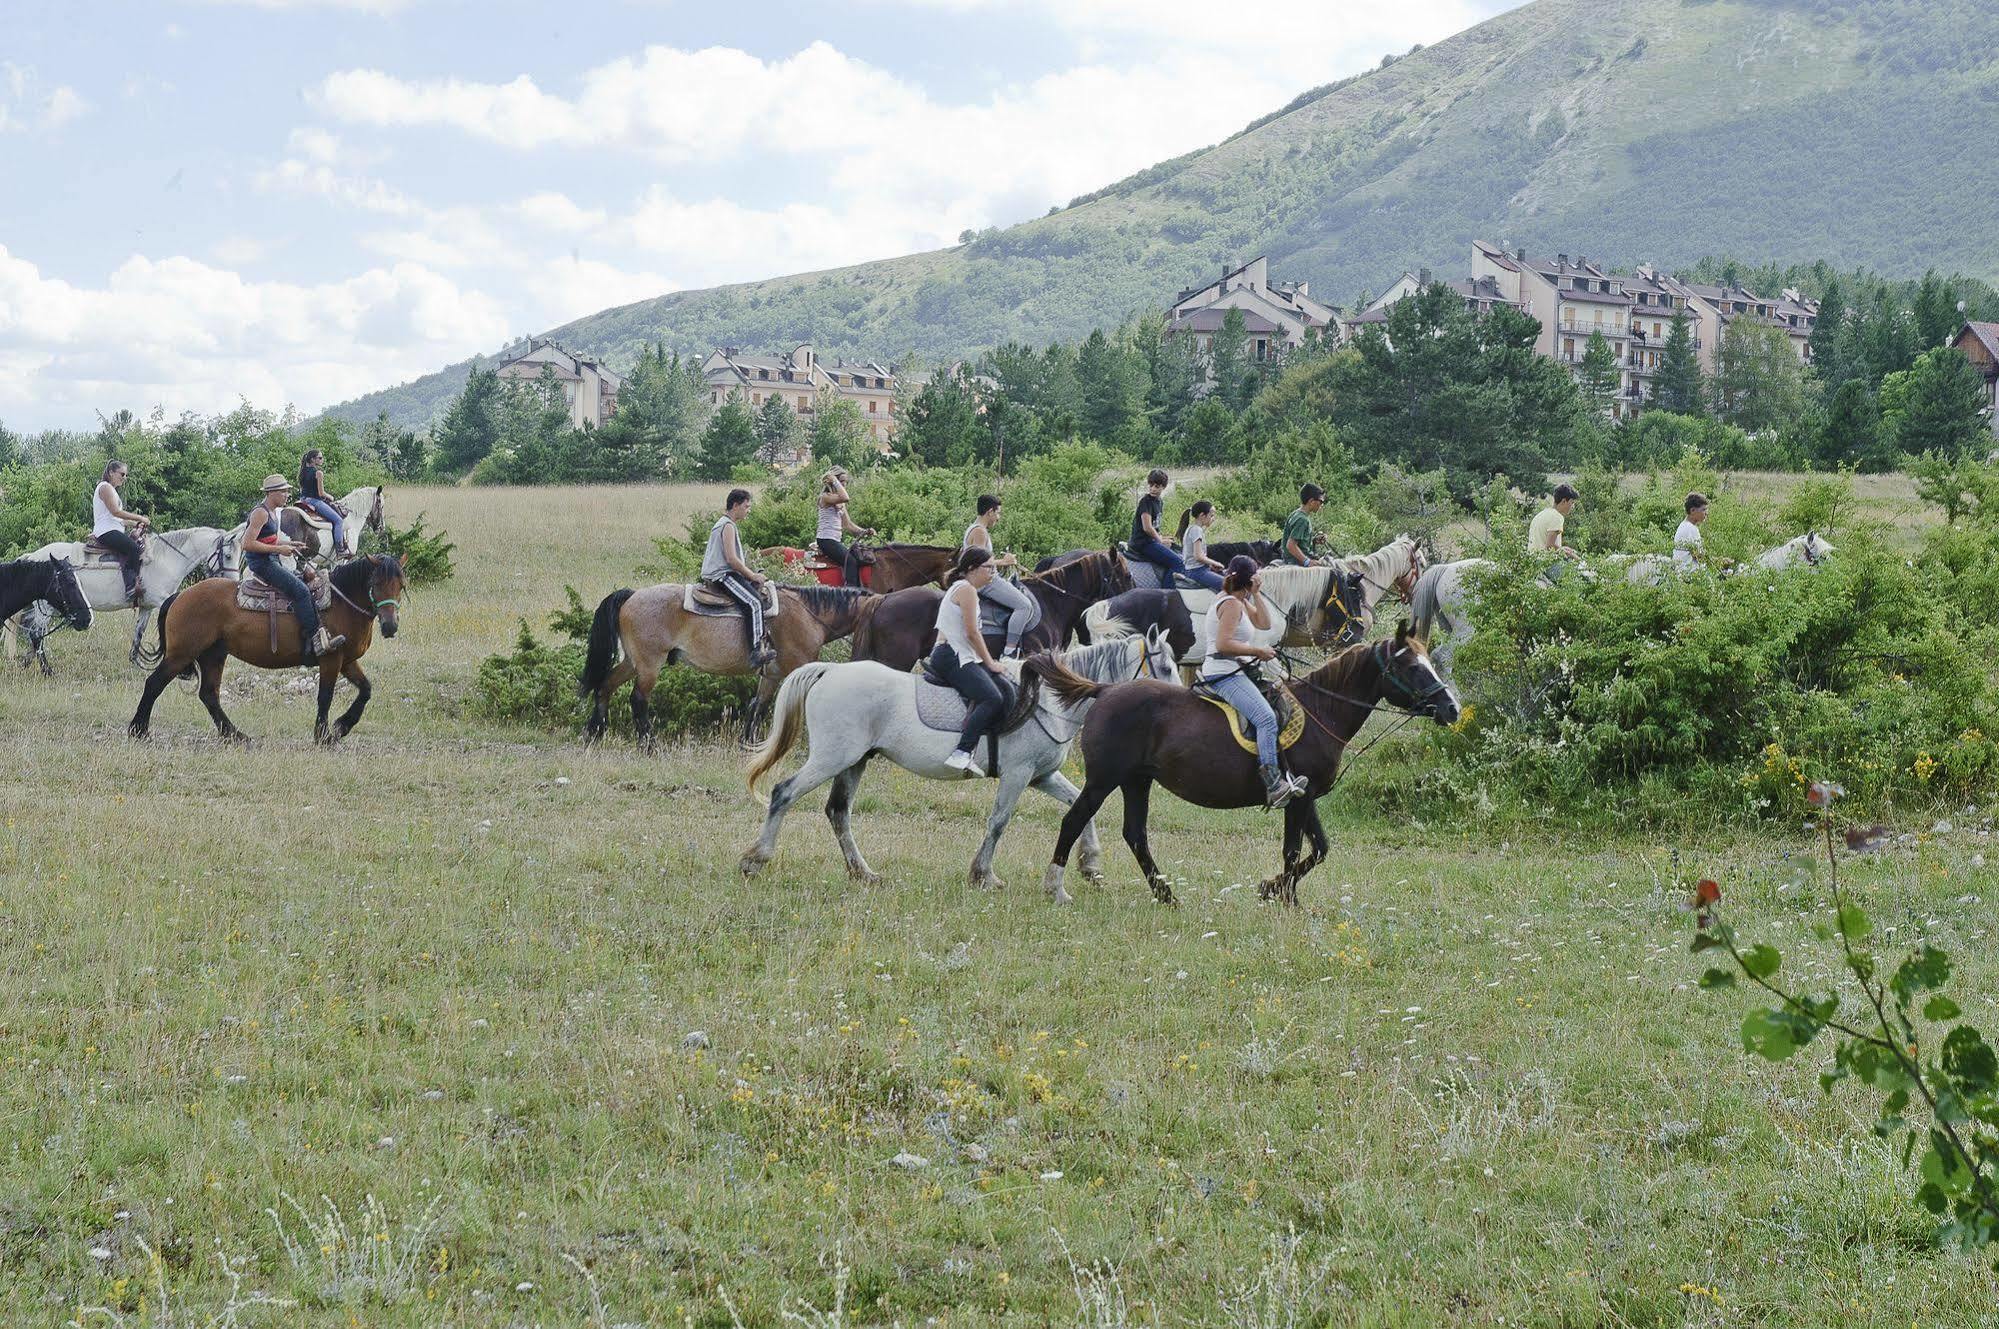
{"x": 1278, "y": 788}
{"x": 763, "y": 656}
{"x": 325, "y": 643}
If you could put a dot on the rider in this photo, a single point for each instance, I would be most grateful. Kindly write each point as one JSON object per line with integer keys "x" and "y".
{"x": 1023, "y": 611}
{"x": 1230, "y": 669}
{"x": 833, "y": 519}
{"x": 1194, "y": 524}
{"x": 1297, "y": 538}
{"x": 1149, "y": 546}
{"x": 108, "y": 519}
{"x": 264, "y": 548}
{"x": 1688, "y": 547}
{"x": 1544, "y": 533}
{"x": 723, "y": 569}
{"x": 312, "y": 494}
{"x": 962, "y": 659}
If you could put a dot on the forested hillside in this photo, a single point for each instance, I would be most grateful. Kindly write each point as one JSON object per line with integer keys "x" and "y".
{"x": 1627, "y": 130}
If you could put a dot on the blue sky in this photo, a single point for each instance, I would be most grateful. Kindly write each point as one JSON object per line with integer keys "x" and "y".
{"x": 296, "y": 201}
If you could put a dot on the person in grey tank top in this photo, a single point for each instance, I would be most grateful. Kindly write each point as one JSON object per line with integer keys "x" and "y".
{"x": 834, "y": 523}
{"x": 723, "y": 569}
{"x": 1023, "y": 611}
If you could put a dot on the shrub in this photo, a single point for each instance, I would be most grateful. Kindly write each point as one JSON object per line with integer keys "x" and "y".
{"x": 535, "y": 683}
{"x": 426, "y": 555}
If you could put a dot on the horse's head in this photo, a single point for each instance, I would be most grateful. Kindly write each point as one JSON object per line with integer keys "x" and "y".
{"x": 1410, "y": 680}
{"x": 1159, "y": 660}
{"x": 385, "y": 591}
{"x": 375, "y": 519}
{"x": 68, "y": 597}
{"x": 1815, "y": 548}
{"x": 1342, "y": 611}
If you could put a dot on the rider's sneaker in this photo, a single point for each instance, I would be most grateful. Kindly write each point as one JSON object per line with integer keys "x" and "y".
{"x": 961, "y": 760}
{"x": 1278, "y": 788}
{"x": 325, "y": 643}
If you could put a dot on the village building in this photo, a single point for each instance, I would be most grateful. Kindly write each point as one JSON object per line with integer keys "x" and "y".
{"x": 589, "y": 389}
{"x": 1980, "y": 344}
{"x": 801, "y": 379}
{"x": 1275, "y": 318}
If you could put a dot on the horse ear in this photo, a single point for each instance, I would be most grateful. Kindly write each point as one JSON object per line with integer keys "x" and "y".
{"x": 1402, "y": 632}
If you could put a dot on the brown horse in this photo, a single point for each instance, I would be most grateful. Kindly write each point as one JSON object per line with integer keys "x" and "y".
{"x": 636, "y": 633}
{"x": 203, "y": 626}
{"x": 895, "y": 567}
{"x": 903, "y": 627}
{"x": 1142, "y": 732}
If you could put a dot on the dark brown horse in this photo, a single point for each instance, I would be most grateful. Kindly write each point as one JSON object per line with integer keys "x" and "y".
{"x": 1142, "y": 732}
{"x": 651, "y": 628}
{"x": 903, "y": 627}
{"x": 203, "y": 626}
{"x": 894, "y": 567}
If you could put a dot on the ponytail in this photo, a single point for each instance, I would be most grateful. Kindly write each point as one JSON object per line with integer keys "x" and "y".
{"x": 1201, "y": 508}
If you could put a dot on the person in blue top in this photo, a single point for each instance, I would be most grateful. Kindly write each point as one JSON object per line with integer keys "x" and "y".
{"x": 1147, "y": 545}
{"x": 312, "y": 494}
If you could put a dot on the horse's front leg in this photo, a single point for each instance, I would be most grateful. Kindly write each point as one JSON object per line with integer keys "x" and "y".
{"x": 329, "y": 674}
{"x": 1281, "y": 886}
{"x": 1090, "y": 859}
{"x": 350, "y": 717}
{"x": 1013, "y": 783}
{"x": 1315, "y": 831}
{"x": 1137, "y": 808}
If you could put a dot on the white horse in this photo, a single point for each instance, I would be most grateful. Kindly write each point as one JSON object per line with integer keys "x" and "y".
{"x": 1306, "y": 604}
{"x": 854, "y": 711}
{"x": 170, "y": 557}
{"x": 1810, "y": 549}
{"x": 363, "y": 509}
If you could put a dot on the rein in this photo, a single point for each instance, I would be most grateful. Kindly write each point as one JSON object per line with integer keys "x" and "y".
{"x": 1406, "y": 712}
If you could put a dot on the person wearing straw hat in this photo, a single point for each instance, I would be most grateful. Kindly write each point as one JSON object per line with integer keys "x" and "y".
{"x": 265, "y": 549}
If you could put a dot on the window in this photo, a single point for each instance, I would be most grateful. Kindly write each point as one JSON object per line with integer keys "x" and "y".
{"x": 805, "y": 405}
{"x": 871, "y": 406}
{"x": 756, "y": 399}
{"x": 715, "y": 399}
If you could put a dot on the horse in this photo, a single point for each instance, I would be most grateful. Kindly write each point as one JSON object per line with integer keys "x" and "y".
{"x": 1140, "y": 610}
{"x": 45, "y": 580}
{"x": 896, "y": 567}
{"x": 636, "y": 633}
{"x": 307, "y": 528}
{"x": 903, "y": 627}
{"x": 170, "y": 557}
{"x": 853, "y": 712}
{"x": 203, "y": 626}
{"x": 1144, "y": 732}
{"x": 1810, "y": 549}
{"x": 1265, "y": 552}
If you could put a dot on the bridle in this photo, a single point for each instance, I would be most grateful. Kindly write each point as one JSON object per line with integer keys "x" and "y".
{"x": 1812, "y": 560}
{"x": 1408, "y": 707}
{"x": 63, "y": 586}
{"x": 375, "y": 603}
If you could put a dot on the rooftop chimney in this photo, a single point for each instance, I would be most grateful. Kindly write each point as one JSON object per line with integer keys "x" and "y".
{"x": 1520, "y": 255}
{"x": 1562, "y": 260}
{"x": 1423, "y": 277}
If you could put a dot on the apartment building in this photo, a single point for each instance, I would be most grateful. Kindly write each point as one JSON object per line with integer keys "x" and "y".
{"x": 1980, "y": 344}
{"x": 800, "y": 379}
{"x": 590, "y": 389}
{"x": 1274, "y": 317}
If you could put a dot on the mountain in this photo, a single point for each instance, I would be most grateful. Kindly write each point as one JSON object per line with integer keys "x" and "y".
{"x": 1627, "y": 130}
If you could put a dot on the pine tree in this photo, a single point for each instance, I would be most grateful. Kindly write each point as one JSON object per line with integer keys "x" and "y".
{"x": 1228, "y": 360}
{"x": 1852, "y": 435}
{"x": 1113, "y": 387}
{"x": 776, "y": 424}
{"x": 472, "y": 426}
{"x": 729, "y": 441}
{"x": 1826, "y": 345}
{"x": 1679, "y": 386}
{"x": 1937, "y": 406}
{"x": 1598, "y": 375}
{"x": 1936, "y": 314}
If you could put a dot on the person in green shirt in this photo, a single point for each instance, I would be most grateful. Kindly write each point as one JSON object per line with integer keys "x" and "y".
{"x": 1297, "y": 537}
{"x": 1544, "y": 533}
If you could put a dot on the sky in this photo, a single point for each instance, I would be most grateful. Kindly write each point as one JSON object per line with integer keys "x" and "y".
{"x": 204, "y": 202}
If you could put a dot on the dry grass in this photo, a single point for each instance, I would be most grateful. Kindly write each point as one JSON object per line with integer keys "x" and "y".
{"x": 439, "y": 982}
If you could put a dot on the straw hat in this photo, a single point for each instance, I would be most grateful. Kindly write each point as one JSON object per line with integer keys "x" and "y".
{"x": 275, "y": 481}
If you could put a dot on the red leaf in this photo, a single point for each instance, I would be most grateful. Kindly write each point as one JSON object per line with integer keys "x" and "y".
{"x": 1707, "y": 893}
{"x": 1822, "y": 793}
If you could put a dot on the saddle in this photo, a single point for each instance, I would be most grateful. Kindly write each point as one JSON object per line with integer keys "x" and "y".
{"x": 254, "y": 593}
{"x": 96, "y": 555}
{"x": 1290, "y": 715}
{"x": 311, "y": 518}
{"x": 1151, "y": 577}
{"x": 699, "y": 599}
{"x": 940, "y": 707}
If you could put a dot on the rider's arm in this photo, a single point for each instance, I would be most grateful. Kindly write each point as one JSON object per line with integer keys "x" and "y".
{"x": 850, "y": 526}
{"x": 1145, "y": 520}
{"x": 118, "y": 509}
{"x": 968, "y": 605}
{"x": 732, "y": 551}
{"x": 1291, "y": 548}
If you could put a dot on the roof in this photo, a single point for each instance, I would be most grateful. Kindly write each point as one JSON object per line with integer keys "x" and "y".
{"x": 1986, "y": 334}
{"x": 1210, "y": 320}
{"x": 1598, "y": 297}
{"x": 568, "y": 365}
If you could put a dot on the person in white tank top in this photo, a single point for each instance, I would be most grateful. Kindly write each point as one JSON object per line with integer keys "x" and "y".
{"x": 108, "y": 521}
{"x": 1023, "y": 611}
{"x": 962, "y": 659}
{"x": 1229, "y": 666}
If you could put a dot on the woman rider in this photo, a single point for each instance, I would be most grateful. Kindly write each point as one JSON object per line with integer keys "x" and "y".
{"x": 312, "y": 494}
{"x": 1147, "y": 544}
{"x": 108, "y": 518}
{"x": 264, "y": 548}
{"x": 1193, "y": 534}
{"x": 1023, "y": 611}
{"x": 962, "y": 659}
{"x": 1230, "y": 669}
{"x": 834, "y": 521}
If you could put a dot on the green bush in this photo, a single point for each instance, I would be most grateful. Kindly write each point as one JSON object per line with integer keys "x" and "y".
{"x": 425, "y": 555}
{"x": 535, "y": 683}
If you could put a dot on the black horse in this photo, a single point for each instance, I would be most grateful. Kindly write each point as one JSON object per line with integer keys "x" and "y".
{"x": 27, "y": 580}
{"x": 902, "y": 626}
{"x": 1143, "y": 609}
{"x": 1265, "y": 552}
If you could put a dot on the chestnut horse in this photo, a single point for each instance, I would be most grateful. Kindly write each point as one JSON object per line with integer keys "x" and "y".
{"x": 895, "y": 567}
{"x": 1143, "y": 732}
{"x": 203, "y": 626}
{"x": 903, "y": 627}
{"x": 637, "y": 633}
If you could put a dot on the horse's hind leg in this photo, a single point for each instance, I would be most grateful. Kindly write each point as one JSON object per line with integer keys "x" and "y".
{"x": 642, "y": 687}
{"x": 1091, "y": 850}
{"x": 839, "y": 811}
{"x": 822, "y": 765}
{"x": 351, "y": 671}
{"x": 600, "y": 704}
{"x": 1315, "y": 831}
{"x": 1077, "y": 820}
{"x": 1012, "y": 785}
{"x": 141, "y": 616}
{"x": 1137, "y": 805}
{"x": 211, "y": 662}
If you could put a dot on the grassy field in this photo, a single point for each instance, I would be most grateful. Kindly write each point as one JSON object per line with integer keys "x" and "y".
{"x": 464, "y": 1025}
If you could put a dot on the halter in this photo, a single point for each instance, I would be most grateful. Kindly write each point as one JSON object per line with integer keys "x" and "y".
{"x": 62, "y": 579}
{"x": 1811, "y": 559}
{"x": 375, "y": 603}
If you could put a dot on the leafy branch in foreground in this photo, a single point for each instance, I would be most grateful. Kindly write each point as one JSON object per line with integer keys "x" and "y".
{"x": 1958, "y": 1087}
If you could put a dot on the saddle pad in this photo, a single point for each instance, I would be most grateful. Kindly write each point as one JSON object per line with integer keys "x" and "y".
{"x": 939, "y": 707}
{"x": 310, "y": 518}
{"x": 698, "y": 599}
{"x": 1292, "y": 721}
{"x": 253, "y": 592}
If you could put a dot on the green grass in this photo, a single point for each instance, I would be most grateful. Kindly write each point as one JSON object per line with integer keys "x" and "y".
{"x": 454, "y": 968}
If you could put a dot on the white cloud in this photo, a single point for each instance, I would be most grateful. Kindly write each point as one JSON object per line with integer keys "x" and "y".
{"x": 552, "y": 211}
{"x": 364, "y": 6}
{"x": 189, "y": 336}
{"x": 23, "y": 106}
{"x": 1319, "y": 38}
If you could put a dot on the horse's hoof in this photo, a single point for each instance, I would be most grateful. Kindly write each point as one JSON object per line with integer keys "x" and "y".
{"x": 865, "y": 877}
{"x": 1061, "y": 896}
{"x": 751, "y": 865}
{"x": 1051, "y": 884}
{"x": 1162, "y": 891}
{"x": 987, "y": 883}
{"x": 138, "y": 731}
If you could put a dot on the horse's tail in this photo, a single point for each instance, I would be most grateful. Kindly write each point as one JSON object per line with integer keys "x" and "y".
{"x": 1423, "y": 605}
{"x": 787, "y": 719}
{"x": 1101, "y": 622}
{"x": 151, "y": 658}
{"x": 1070, "y": 688}
{"x": 602, "y": 654}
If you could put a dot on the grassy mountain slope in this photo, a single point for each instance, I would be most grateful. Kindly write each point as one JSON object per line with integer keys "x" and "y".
{"x": 1627, "y": 130}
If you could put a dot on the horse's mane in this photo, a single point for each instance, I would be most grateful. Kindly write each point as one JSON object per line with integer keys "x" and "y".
{"x": 818, "y": 599}
{"x": 351, "y": 578}
{"x": 1062, "y": 575}
{"x": 1337, "y": 673}
{"x": 1379, "y": 565}
{"x": 1085, "y": 660}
